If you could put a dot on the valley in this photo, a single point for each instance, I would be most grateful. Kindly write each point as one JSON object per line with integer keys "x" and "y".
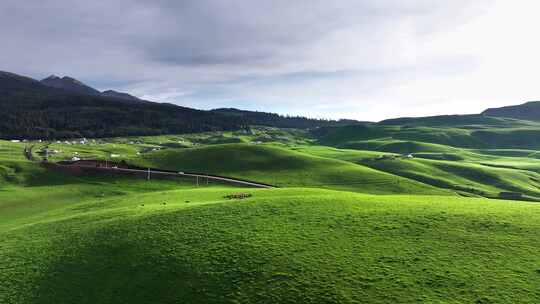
{"x": 269, "y": 152}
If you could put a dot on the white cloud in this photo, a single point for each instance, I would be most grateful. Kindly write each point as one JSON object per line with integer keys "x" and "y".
{"x": 356, "y": 59}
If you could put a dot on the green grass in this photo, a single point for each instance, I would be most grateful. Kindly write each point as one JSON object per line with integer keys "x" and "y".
{"x": 476, "y": 172}
{"x": 397, "y": 146}
{"x": 456, "y": 131}
{"x": 510, "y": 152}
{"x": 282, "y": 167}
{"x": 114, "y": 239}
{"x": 129, "y": 147}
{"x": 466, "y": 177}
{"x": 465, "y": 171}
{"x": 279, "y": 246}
{"x": 98, "y": 150}
{"x": 471, "y": 154}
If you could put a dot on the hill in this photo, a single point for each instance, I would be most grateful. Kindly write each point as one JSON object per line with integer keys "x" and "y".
{"x": 120, "y": 95}
{"x": 121, "y": 239}
{"x": 282, "y": 167}
{"x": 66, "y": 108}
{"x": 471, "y": 131}
{"x": 468, "y": 172}
{"x": 280, "y": 246}
{"x": 449, "y": 120}
{"x": 526, "y": 111}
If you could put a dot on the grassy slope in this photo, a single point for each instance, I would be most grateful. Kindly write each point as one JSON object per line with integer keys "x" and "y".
{"x": 465, "y": 132}
{"x": 109, "y": 240}
{"x": 462, "y": 170}
{"x": 128, "y": 147}
{"x": 468, "y": 177}
{"x": 475, "y": 154}
{"x": 282, "y": 167}
{"x": 280, "y": 246}
{"x": 397, "y": 146}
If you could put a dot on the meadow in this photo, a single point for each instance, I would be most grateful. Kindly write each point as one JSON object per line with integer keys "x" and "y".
{"x": 383, "y": 219}
{"x": 95, "y": 245}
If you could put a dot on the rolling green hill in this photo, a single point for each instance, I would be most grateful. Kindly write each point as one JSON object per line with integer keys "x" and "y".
{"x": 397, "y": 146}
{"x": 472, "y": 131}
{"x": 467, "y": 177}
{"x": 469, "y": 172}
{"x": 357, "y": 219}
{"x": 282, "y": 167}
{"x": 120, "y": 239}
{"x": 279, "y": 246}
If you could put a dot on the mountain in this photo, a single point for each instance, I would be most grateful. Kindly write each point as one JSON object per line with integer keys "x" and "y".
{"x": 75, "y": 86}
{"x": 69, "y": 84}
{"x": 10, "y": 83}
{"x": 527, "y": 111}
{"x": 50, "y": 110}
{"x": 57, "y": 108}
{"x": 119, "y": 95}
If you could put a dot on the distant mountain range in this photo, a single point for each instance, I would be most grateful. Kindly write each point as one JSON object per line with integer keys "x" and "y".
{"x": 63, "y": 107}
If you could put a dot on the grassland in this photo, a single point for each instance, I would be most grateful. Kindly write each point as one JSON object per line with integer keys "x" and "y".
{"x": 283, "y": 167}
{"x": 472, "y": 155}
{"x": 362, "y": 225}
{"x": 293, "y": 158}
{"x": 454, "y": 131}
{"x": 285, "y": 245}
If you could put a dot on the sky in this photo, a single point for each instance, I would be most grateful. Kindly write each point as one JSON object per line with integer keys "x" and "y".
{"x": 365, "y": 60}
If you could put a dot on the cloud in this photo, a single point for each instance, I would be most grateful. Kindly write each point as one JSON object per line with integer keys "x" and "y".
{"x": 367, "y": 59}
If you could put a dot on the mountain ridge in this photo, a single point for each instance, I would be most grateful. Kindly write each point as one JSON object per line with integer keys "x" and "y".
{"x": 527, "y": 111}
{"x": 31, "y": 109}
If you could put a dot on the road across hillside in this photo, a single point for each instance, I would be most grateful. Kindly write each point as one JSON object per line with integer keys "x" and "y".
{"x": 151, "y": 172}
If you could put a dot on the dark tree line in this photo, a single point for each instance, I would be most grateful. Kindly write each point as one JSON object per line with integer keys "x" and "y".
{"x": 33, "y": 115}
{"x": 34, "y": 112}
{"x": 281, "y": 121}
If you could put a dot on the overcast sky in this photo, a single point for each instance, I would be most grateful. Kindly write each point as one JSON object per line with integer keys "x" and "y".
{"x": 367, "y": 60}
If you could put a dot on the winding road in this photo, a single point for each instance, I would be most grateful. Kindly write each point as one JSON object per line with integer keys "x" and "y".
{"x": 28, "y": 154}
{"x": 151, "y": 172}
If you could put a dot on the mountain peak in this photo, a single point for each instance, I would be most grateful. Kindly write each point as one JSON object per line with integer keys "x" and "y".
{"x": 51, "y": 77}
{"x": 69, "y": 84}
